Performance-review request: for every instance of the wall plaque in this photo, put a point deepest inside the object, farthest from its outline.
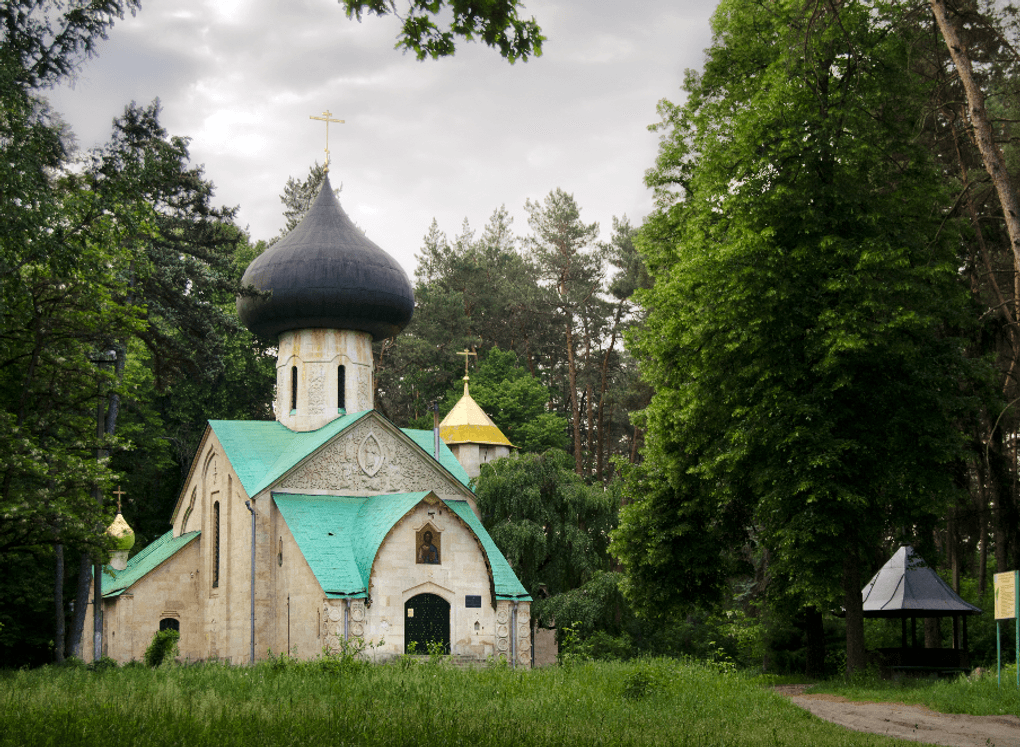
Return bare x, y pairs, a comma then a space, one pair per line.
472, 600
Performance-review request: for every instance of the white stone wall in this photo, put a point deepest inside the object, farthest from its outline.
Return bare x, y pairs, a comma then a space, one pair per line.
317, 354
396, 577
296, 600
472, 456
132, 619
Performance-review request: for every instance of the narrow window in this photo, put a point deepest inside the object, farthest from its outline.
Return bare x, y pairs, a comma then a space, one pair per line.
341, 384
293, 388
216, 545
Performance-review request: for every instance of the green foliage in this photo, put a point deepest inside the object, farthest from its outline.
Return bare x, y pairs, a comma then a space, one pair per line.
473, 293
516, 401
495, 23
804, 329
549, 524
163, 649
103, 664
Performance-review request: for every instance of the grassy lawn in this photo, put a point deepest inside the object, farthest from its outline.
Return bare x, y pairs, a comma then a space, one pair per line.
659, 702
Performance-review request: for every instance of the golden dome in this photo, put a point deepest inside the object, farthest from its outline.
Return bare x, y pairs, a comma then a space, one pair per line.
468, 423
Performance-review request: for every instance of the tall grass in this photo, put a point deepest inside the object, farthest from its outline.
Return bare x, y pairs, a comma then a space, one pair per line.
651, 702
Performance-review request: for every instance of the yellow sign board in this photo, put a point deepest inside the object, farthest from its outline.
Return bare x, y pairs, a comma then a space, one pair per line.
1006, 595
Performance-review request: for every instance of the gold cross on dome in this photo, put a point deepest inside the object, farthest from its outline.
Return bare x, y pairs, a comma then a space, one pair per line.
466, 353
326, 118
119, 493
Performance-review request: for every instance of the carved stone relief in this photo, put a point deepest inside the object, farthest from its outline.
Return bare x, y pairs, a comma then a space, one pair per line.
332, 624
503, 629
371, 454
317, 389
364, 395
368, 460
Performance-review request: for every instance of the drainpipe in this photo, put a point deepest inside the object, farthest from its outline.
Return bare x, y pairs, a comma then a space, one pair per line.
247, 505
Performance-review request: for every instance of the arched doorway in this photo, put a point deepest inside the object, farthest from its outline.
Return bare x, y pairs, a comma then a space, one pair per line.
426, 621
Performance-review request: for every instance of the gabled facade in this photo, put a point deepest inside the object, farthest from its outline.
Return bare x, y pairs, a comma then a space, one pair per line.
341, 518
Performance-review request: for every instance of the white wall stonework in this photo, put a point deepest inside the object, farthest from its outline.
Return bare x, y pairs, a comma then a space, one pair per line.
462, 571
132, 619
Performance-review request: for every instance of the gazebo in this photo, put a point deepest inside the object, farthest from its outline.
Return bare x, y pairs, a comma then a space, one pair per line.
905, 587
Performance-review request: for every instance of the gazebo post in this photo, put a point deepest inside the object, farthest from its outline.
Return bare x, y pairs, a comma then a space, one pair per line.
903, 636
913, 632
956, 631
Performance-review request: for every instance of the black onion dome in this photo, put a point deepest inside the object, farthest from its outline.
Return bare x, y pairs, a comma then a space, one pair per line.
326, 274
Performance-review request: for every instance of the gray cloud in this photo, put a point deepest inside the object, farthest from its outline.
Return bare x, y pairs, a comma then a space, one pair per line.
447, 139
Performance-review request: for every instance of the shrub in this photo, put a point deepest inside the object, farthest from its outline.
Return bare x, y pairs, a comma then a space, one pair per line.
163, 648
103, 664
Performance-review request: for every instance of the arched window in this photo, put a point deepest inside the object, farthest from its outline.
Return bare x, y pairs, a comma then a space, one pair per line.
216, 545
293, 388
170, 623
341, 388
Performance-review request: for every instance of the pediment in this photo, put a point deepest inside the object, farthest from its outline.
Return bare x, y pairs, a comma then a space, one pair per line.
372, 457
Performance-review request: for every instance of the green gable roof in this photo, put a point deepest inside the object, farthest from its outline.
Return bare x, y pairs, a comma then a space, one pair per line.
340, 536
262, 451
155, 554
427, 441
503, 577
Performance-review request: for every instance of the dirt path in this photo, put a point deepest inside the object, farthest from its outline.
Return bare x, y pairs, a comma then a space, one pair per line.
915, 723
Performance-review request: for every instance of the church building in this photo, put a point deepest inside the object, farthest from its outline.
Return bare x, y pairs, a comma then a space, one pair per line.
330, 523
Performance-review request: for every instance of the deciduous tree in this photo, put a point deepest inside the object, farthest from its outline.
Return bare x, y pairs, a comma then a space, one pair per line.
802, 332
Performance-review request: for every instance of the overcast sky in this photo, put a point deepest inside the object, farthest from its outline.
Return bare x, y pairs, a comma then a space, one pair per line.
447, 139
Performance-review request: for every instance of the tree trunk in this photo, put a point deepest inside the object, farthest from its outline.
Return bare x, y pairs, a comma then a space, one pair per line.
932, 632
815, 634
590, 441
574, 406
81, 604
58, 604
853, 603
995, 164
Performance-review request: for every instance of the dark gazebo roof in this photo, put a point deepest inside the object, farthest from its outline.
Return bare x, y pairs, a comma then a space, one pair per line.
327, 274
907, 587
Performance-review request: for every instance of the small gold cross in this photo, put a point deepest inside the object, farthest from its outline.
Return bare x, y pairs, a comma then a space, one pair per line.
466, 353
326, 118
119, 493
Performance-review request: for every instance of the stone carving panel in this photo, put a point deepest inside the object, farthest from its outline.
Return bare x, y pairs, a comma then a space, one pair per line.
332, 625
368, 460
317, 389
503, 629
364, 394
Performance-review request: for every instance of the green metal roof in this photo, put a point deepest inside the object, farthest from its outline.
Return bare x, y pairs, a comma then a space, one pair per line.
116, 583
503, 577
427, 441
340, 536
262, 451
